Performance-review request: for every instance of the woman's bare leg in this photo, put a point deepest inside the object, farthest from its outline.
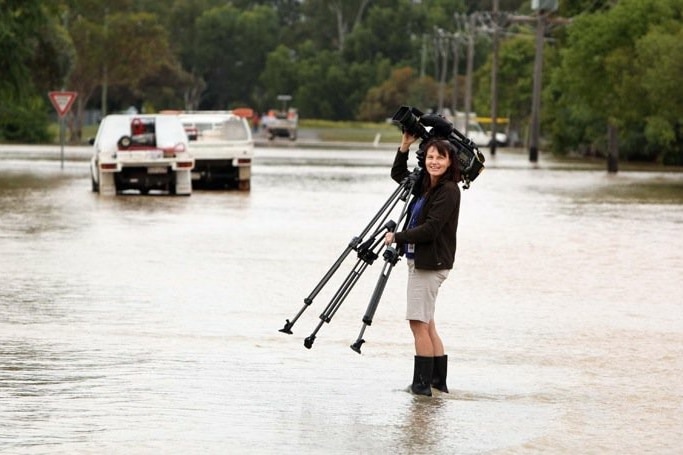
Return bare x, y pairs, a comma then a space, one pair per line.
437, 344
423, 339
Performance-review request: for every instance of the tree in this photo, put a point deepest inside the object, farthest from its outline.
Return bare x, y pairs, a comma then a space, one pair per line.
330, 21
404, 87
373, 38
182, 21
324, 87
130, 49
30, 45
233, 52
280, 76
515, 73
17, 43
597, 76
659, 66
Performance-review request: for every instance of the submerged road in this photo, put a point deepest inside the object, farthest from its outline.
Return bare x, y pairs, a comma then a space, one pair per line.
84, 152
149, 324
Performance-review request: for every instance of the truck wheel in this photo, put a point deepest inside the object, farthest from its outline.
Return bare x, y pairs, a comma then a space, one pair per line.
95, 186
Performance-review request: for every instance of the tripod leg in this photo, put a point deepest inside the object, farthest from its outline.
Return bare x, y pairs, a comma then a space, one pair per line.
309, 300
337, 299
366, 257
359, 341
355, 244
391, 258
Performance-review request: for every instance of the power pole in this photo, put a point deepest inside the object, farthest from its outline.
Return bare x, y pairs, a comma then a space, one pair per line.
442, 40
423, 59
536, 91
612, 148
105, 72
494, 80
541, 19
544, 9
455, 44
459, 37
470, 66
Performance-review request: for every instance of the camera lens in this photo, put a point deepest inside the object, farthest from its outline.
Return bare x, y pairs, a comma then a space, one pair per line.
409, 122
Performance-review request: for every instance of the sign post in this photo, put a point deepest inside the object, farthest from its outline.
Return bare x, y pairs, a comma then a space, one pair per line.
62, 102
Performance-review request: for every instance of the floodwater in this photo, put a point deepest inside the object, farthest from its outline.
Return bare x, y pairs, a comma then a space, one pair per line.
146, 325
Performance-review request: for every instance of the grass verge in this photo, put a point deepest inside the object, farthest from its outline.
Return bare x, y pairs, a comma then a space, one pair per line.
346, 131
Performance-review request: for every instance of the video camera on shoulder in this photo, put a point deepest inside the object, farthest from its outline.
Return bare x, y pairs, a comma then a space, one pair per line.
428, 126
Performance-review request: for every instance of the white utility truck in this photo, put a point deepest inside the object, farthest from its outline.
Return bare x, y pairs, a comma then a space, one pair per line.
222, 146
142, 152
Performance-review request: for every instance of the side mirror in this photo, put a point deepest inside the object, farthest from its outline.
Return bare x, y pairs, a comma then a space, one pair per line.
91, 141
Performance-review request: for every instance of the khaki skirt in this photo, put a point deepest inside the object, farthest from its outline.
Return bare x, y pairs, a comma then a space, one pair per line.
423, 287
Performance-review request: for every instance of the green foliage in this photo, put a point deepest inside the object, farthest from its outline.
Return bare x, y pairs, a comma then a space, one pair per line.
316, 77
118, 49
233, 52
515, 69
660, 68
54, 59
353, 131
403, 87
620, 66
616, 64
25, 36
18, 21
26, 122
279, 75
373, 38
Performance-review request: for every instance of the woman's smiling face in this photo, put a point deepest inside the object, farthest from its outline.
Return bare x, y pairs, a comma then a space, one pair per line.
436, 164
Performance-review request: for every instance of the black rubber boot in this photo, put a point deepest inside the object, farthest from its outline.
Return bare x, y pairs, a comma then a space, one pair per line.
439, 374
422, 376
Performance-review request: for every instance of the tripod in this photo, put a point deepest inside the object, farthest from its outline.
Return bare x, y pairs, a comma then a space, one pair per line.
367, 252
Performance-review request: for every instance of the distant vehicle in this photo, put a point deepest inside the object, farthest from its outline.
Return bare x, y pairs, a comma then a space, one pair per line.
142, 152
283, 122
222, 146
502, 139
483, 138
475, 132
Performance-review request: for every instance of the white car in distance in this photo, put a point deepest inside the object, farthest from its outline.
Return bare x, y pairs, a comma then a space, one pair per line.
470, 127
141, 152
483, 138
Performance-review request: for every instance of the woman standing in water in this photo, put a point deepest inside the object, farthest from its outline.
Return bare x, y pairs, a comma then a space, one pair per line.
429, 243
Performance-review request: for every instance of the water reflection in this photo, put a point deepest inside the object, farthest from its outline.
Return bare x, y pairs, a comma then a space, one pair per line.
41, 385
426, 425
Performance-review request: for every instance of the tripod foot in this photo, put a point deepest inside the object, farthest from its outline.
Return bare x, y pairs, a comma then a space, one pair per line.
356, 346
287, 328
308, 342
